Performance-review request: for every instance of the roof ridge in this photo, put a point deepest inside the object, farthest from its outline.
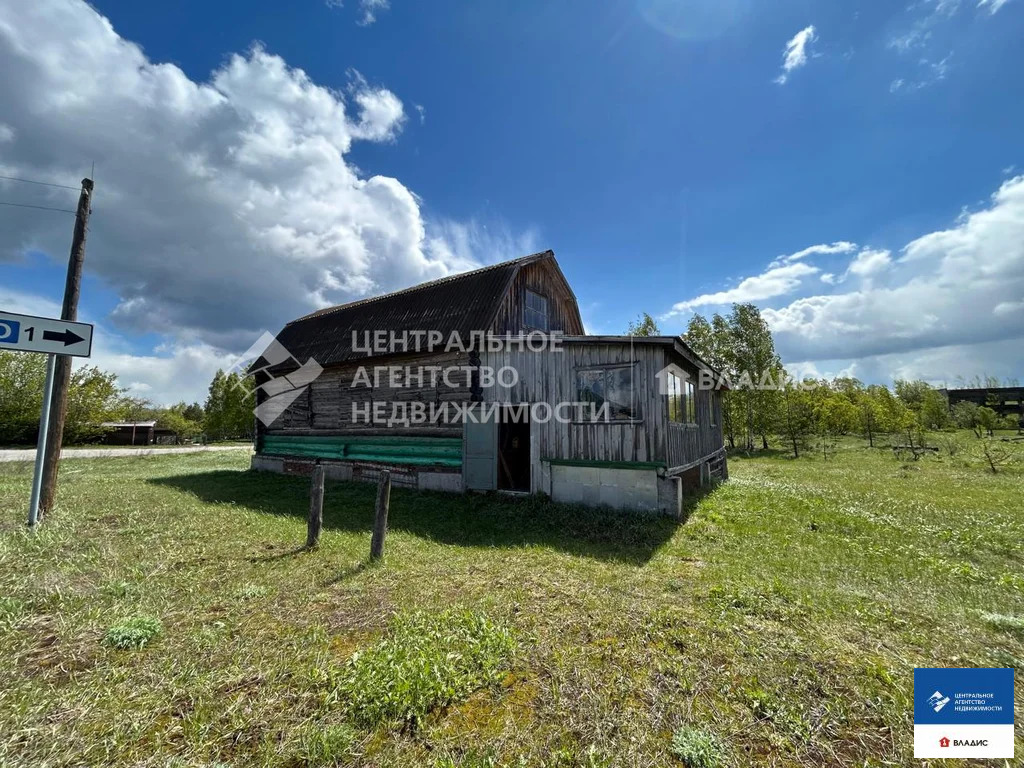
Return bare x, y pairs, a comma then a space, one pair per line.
419, 286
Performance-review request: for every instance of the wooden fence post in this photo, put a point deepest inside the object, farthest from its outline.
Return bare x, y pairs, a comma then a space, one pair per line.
316, 507
380, 522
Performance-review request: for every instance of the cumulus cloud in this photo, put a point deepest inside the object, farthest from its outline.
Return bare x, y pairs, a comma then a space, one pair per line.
869, 262
795, 53
943, 290
775, 281
957, 290
221, 207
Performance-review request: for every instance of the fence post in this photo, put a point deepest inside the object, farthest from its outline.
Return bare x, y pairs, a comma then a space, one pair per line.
380, 522
316, 507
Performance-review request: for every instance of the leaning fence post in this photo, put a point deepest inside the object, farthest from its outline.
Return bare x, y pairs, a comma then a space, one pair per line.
316, 507
380, 522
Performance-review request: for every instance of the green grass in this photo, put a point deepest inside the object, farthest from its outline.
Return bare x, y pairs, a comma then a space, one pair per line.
779, 625
133, 632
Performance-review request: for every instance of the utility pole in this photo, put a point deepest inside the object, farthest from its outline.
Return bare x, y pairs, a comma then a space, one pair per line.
62, 371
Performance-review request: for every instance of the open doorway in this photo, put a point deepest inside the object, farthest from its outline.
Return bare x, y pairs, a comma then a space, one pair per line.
514, 451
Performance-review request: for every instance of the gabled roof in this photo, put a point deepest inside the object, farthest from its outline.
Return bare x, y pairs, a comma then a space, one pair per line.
459, 303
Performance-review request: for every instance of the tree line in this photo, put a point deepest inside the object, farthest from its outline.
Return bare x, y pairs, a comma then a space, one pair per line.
96, 397
766, 403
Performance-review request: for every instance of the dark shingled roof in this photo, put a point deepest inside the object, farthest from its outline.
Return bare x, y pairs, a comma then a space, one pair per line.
458, 303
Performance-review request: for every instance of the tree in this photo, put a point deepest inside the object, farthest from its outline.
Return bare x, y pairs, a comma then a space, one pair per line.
966, 416
644, 325
194, 413
229, 407
934, 410
755, 361
834, 415
796, 414
713, 343
988, 420
93, 397
177, 421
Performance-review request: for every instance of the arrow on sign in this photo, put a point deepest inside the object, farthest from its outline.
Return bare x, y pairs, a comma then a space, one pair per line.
68, 336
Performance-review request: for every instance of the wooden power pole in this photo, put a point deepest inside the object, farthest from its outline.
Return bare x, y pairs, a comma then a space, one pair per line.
62, 371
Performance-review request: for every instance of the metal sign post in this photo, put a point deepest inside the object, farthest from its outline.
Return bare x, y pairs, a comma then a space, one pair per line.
28, 333
44, 423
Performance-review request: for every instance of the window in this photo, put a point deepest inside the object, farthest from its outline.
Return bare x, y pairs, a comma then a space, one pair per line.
716, 409
613, 386
682, 400
535, 312
675, 398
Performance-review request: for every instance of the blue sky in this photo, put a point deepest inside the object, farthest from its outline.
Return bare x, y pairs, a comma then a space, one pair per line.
649, 143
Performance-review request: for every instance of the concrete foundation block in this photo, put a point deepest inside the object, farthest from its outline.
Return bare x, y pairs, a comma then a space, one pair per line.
340, 472
267, 463
449, 482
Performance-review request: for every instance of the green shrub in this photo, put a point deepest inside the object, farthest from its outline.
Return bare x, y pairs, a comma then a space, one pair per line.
426, 661
697, 748
133, 633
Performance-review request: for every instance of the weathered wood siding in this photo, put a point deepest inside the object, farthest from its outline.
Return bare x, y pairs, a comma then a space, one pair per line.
550, 377
326, 407
544, 278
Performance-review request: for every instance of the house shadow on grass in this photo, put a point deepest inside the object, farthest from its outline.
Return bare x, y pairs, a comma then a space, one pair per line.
471, 520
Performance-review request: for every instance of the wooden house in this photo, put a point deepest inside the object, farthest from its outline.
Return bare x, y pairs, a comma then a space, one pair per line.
600, 420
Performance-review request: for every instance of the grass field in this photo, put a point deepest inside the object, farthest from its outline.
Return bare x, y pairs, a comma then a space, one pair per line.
165, 616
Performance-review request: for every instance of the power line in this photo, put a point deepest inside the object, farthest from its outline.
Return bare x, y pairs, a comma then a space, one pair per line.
41, 183
40, 207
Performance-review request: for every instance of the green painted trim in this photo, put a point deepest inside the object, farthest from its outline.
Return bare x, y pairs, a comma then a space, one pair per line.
605, 464
418, 451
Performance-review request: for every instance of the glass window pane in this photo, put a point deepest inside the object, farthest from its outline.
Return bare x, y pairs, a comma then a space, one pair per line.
535, 311
620, 394
590, 387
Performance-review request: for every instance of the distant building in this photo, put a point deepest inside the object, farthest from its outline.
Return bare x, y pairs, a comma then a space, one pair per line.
662, 432
135, 433
1005, 401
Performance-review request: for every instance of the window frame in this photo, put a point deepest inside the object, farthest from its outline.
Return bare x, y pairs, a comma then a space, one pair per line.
527, 309
689, 404
674, 398
636, 416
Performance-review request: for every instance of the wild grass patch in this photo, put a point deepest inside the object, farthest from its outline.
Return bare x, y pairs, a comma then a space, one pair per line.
697, 748
133, 632
329, 744
1001, 621
426, 661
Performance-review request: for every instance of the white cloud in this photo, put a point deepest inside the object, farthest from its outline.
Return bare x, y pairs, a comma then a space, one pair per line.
992, 5
869, 262
369, 10
948, 295
840, 246
940, 292
795, 54
1008, 307
775, 281
221, 207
